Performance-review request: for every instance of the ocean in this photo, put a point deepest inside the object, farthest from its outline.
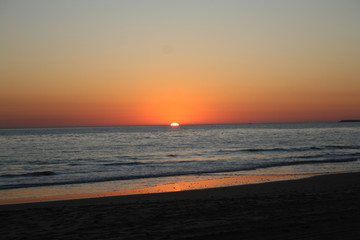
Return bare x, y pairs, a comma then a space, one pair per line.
99, 159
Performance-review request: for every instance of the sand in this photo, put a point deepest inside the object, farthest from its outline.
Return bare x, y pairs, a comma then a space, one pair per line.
320, 207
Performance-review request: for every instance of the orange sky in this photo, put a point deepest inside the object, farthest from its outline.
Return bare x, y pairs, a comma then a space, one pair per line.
144, 62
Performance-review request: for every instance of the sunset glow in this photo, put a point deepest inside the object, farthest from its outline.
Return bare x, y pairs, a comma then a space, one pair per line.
199, 62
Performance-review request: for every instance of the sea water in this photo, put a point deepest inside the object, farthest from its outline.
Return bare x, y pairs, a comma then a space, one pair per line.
86, 159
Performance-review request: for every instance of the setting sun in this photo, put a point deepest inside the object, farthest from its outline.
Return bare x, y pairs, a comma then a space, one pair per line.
174, 124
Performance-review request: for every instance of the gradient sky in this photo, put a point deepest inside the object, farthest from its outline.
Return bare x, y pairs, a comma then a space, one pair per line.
83, 62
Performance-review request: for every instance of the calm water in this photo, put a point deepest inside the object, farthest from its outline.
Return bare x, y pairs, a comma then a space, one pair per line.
68, 156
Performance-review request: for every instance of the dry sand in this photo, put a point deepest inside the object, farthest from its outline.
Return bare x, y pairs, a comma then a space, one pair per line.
321, 207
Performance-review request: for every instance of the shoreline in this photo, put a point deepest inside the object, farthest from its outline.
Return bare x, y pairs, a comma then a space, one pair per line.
243, 185
167, 188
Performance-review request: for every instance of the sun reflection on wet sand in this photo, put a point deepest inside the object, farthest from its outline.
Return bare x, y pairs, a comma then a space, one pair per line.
173, 187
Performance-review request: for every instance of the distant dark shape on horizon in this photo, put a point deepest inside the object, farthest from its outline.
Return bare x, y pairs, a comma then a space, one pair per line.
354, 120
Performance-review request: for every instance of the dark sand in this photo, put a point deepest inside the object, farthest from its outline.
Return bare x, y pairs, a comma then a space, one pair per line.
321, 207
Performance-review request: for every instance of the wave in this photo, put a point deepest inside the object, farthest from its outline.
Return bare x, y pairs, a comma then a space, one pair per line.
296, 149
342, 147
32, 174
219, 158
326, 155
124, 163
312, 162
153, 163
127, 157
171, 174
74, 164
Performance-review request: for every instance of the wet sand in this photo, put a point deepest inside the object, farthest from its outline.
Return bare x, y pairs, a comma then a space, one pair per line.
320, 207
51, 194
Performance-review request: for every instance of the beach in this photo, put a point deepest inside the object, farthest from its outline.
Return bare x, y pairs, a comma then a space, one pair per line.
169, 120
319, 207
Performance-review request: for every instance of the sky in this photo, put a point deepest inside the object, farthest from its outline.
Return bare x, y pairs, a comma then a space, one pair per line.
142, 62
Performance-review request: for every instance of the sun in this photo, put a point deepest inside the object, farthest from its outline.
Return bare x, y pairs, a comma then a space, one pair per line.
174, 124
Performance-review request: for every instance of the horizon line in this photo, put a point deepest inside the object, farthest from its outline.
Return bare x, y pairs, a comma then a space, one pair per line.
154, 125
